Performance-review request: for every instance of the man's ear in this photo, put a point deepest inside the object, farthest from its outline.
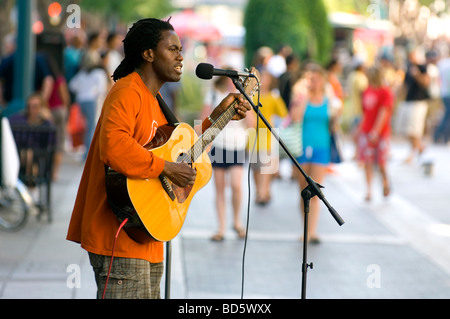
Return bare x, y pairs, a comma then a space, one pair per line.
147, 55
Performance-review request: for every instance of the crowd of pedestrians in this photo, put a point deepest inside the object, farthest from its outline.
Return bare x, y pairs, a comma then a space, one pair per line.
367, 101
372, 102
73, 88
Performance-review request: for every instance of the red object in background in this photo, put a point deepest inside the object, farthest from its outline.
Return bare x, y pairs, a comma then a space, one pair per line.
76, 125
379, 38
54, 9
188, 24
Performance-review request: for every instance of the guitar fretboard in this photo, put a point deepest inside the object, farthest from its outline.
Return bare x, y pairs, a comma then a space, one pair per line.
207, 137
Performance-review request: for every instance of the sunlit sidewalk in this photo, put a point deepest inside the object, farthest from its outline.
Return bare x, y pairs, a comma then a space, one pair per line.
394, 248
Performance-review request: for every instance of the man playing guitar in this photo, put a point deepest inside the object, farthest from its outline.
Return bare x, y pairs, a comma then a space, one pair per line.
129, 119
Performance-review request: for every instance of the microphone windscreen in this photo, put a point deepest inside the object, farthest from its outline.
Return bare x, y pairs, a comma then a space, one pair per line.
204, 71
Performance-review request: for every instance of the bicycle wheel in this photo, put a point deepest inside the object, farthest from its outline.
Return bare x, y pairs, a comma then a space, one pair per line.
14, 208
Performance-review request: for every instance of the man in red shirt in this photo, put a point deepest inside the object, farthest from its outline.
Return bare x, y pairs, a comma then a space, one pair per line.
129, 119
375, 129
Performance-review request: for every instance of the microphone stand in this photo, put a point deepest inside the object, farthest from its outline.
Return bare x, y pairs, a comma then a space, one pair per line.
168, 269
313, 188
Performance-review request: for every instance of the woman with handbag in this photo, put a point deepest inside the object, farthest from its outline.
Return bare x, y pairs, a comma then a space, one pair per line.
311, 105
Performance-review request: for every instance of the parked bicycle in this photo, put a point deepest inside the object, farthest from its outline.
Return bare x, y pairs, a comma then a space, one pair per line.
15, 200
15, 205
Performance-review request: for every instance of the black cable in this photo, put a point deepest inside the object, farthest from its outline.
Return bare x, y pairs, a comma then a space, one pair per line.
249, 192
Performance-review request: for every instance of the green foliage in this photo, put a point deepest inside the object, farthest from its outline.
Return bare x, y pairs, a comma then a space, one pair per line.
353, 6
190, 98
303, 24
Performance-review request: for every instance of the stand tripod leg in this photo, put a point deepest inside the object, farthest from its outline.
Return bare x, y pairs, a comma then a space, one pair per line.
313, 188
306, 196
168, 268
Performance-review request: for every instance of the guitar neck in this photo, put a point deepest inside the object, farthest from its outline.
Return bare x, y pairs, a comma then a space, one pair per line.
210, 134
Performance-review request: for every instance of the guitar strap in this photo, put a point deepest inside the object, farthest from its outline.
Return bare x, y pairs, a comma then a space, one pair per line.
170, 117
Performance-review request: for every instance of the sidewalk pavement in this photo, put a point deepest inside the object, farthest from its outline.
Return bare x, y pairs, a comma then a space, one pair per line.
387, 249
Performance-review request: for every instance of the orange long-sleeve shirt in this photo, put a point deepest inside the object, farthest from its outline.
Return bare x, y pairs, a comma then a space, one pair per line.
129, 119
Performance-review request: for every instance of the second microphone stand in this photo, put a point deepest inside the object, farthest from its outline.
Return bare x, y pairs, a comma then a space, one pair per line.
313, 188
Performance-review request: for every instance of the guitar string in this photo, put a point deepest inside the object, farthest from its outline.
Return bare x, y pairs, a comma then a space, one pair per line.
206, 138
219, 124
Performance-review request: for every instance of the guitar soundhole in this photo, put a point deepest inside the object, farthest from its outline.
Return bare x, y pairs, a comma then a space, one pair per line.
184, 158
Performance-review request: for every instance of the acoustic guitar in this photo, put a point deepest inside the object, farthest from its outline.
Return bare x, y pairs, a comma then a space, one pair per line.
157, 208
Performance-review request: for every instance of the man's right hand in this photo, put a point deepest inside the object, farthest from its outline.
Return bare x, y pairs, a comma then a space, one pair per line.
181, 174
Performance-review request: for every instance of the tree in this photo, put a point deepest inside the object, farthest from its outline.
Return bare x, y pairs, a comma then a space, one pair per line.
303, 24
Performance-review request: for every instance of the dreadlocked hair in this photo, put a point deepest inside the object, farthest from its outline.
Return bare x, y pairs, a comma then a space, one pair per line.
143, 35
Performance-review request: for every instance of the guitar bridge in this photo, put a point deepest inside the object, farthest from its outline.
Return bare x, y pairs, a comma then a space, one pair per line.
167, 187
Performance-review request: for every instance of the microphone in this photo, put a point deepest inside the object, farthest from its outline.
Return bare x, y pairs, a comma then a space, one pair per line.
206, 71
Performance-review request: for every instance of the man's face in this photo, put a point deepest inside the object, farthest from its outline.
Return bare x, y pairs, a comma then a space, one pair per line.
167, 63
34, 107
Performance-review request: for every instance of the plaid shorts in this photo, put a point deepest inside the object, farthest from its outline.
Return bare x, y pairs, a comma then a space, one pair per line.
373, 153
129, 278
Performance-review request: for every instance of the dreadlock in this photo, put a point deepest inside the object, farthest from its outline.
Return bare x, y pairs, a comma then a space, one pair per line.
144, 34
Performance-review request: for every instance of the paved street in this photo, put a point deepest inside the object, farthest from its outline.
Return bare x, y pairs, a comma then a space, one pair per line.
395, 248
403, 240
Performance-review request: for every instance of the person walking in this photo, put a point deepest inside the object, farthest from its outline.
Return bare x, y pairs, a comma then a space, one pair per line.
312, 106
288, 78
357, 83
442, 132
59, 104
227, 158
413, 110
265, 160
90, 87
375, 130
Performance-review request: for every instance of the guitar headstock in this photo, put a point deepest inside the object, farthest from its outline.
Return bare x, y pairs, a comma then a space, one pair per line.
251, 84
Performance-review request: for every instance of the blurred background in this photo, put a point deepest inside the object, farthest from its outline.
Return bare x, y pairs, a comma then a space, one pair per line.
42, 47
226, 32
